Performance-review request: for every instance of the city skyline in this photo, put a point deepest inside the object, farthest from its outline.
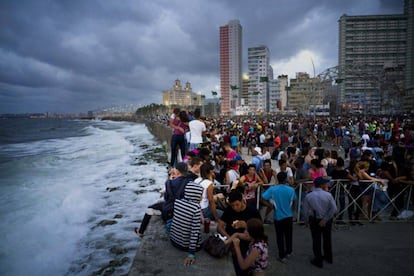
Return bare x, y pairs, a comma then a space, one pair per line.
66, 57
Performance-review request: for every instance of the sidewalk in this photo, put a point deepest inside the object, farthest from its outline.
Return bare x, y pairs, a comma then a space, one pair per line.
372, 249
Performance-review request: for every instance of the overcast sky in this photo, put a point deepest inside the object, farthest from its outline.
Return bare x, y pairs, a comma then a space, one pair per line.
77, 55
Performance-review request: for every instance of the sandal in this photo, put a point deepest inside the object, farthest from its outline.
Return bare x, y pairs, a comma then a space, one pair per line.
136, 229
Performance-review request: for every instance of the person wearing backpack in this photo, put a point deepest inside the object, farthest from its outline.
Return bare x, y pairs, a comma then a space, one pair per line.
174, 189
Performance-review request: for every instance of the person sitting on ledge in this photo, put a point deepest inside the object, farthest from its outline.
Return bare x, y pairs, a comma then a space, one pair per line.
174, 189
185, 231
208, 200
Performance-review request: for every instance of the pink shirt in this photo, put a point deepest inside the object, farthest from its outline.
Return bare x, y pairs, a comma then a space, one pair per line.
230, 155
318, 173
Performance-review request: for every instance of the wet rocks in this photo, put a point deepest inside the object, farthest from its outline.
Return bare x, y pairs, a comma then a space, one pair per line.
106, 222
118, 250
109, 268
111, 189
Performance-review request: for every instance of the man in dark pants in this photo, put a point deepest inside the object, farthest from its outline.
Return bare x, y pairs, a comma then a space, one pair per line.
320, 207
283, 197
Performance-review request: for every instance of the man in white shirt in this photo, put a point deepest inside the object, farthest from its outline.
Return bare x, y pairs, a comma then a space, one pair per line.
365, 138
197, 128
283, 167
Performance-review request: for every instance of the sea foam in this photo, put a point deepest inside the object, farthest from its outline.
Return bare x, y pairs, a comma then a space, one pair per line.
55, 193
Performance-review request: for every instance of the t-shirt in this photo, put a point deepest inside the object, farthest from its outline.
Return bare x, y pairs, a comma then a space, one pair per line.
288, 172
229, 216
258, 162
196, 129
339, 174
205, 183
233, 140
231, 154
261, 263
283, 197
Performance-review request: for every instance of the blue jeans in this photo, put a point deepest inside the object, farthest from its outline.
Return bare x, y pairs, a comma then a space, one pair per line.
380, 201
194, 146
177, 142
208, 214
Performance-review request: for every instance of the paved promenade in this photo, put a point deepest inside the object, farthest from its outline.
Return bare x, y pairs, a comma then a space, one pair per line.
382, 248
372, 249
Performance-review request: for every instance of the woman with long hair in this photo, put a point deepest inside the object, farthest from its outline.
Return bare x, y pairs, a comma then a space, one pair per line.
208, 199
256, 259
179, 125
361, 170
355, 201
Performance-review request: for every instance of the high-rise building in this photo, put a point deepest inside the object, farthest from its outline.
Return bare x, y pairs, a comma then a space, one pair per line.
408, 99
230, 66
372, 61
259, 71
278, 94
274, 95
177, 96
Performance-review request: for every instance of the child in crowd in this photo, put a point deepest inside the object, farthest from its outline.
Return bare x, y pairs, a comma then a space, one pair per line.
256, 259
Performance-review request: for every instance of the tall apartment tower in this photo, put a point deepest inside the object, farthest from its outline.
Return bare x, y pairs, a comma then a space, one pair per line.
409, 73
372, 61
259, 72
230, 66
278, 94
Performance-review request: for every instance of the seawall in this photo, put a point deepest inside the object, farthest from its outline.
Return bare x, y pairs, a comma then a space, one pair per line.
155, 254
160, 131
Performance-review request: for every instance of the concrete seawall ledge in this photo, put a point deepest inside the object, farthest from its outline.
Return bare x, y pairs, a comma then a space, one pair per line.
157, 256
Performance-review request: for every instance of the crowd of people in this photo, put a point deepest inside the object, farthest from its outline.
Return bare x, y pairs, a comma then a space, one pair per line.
209, 179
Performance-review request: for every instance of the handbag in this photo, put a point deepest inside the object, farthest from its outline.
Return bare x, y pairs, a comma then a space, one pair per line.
216, 247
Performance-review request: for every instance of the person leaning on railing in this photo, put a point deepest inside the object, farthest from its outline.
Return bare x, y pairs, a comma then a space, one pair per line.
361, 171
408, 177
354, 198
341, 173
250, 182
388, 170
267, 174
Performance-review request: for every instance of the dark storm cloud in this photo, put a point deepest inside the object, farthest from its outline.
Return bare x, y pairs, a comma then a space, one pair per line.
71, 56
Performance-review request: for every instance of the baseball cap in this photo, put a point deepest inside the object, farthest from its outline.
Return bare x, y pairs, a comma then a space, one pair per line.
238, 157
320, 181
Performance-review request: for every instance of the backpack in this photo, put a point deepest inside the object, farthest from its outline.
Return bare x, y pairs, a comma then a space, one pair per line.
168, 205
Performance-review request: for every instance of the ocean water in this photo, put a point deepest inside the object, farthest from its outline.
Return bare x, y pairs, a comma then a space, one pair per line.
71, 193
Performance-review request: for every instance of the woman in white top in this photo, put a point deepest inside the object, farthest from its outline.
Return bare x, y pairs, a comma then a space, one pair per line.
208, 199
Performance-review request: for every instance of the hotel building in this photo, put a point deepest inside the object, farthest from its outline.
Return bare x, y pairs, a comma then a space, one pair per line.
230, 66
177, 96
